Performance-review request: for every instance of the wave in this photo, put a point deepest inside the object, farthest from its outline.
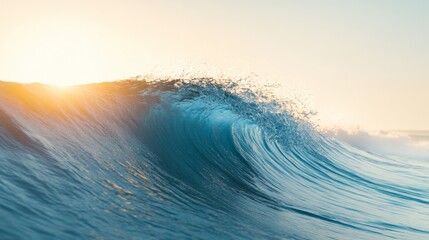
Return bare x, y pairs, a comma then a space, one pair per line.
413, 145
184, 159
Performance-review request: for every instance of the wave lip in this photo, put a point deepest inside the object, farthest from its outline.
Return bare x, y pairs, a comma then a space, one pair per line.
200, 158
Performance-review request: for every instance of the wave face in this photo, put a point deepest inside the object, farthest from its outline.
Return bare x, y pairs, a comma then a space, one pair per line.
191, 160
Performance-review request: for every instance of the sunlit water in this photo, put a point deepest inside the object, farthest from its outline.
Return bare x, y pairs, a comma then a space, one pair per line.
180, 160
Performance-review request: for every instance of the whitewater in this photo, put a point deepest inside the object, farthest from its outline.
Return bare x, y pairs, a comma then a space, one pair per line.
193, 159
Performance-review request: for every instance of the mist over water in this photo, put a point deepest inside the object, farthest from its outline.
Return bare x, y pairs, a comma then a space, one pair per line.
199, 159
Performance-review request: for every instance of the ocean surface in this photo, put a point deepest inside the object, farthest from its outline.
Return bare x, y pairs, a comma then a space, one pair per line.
201, 159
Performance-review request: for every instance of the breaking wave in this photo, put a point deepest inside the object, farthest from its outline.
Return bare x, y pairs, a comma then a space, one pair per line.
197, 159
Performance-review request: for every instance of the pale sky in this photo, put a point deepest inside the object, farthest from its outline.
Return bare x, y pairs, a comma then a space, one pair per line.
364, 63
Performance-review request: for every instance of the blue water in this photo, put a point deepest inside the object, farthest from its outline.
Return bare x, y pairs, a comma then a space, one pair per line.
192, 160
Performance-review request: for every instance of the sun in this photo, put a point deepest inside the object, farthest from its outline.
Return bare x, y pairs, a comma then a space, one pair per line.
57, 55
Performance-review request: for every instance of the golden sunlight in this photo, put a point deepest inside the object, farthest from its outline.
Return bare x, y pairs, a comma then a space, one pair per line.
57, 55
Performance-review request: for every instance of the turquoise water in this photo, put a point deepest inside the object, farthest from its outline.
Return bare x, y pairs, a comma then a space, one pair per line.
192, 160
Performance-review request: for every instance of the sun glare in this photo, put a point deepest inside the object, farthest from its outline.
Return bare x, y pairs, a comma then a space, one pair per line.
58, 56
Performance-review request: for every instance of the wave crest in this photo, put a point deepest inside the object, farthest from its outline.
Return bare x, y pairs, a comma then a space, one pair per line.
183, 158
